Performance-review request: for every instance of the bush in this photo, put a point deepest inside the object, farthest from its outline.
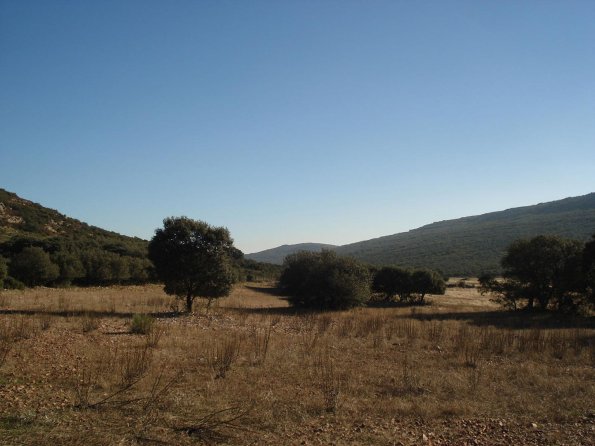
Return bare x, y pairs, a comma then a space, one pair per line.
141, 323
10, 283
324, 281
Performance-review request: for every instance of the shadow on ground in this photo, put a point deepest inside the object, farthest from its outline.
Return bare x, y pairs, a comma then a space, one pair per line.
81, 313
509, 319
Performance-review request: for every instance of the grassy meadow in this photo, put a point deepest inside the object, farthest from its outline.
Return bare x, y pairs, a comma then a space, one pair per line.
76, 369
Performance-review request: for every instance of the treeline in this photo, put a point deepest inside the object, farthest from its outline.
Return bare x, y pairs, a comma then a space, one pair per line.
73, 261
327, 281
86, 261
545, 273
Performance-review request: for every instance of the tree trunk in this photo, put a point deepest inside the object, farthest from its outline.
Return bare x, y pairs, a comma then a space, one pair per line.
189, 301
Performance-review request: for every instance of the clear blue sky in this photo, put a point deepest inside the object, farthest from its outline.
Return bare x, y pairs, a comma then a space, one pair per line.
295, 121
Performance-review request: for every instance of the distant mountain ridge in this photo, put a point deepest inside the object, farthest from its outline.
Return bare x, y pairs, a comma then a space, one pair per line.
474, 245
276, 255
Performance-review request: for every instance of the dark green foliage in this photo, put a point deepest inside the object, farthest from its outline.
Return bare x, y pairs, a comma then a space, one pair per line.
393, 281
70, 265
410, 286
277, 255
193, 259
3, 271
543, 272
10, 283
474, 245
253, 271
588, 269
33, 267
324, 281
85, 255
427, 282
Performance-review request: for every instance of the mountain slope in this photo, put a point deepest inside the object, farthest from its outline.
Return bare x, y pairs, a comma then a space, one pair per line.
276, 255
473, 245
23, 219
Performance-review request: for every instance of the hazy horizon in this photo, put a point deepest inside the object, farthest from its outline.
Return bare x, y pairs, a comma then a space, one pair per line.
295, 122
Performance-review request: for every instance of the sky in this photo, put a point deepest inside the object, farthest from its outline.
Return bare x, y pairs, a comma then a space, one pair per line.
295, 121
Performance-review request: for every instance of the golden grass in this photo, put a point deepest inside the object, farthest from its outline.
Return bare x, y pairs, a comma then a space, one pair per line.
253, 371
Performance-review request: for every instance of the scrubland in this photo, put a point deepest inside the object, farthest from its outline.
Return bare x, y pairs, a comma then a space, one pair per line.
75, 369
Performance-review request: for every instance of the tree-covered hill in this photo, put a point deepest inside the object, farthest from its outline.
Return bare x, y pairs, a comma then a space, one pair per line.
44, 247
84, 254
475, 245
276, 255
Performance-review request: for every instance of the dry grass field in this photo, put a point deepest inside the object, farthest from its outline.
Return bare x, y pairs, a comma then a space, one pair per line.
75, 370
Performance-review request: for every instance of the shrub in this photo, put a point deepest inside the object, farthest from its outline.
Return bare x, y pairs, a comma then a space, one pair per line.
33, 267
10, 283
141, 323
324, 281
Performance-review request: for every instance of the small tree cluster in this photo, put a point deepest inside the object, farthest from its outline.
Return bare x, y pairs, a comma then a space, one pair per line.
323, 280
409, 286
545, 272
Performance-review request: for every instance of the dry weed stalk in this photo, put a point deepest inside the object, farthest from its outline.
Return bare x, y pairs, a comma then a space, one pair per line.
6, 340
210, 427
153, 337
128, 368
89, 322
410, 379
260, 338
330, 382
221, 356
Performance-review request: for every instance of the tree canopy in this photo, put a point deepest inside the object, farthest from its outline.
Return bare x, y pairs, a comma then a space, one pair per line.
193, 259
324, 280
544, 271
410, 286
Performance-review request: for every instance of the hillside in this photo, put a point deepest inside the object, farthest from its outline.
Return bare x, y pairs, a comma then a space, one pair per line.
276, 255
84, 254
23, 219
473, 245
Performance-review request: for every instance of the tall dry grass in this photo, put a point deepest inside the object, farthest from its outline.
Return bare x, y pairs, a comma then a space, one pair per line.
276, 369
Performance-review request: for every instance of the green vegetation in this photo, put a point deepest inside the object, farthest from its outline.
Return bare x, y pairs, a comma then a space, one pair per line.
141, 324
545, 272
468, 246
3, 271
86, 255
193, 259
324, 281
82, 254
33, 267
410, 286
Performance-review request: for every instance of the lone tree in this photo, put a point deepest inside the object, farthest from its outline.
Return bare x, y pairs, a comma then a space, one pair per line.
427, 282
193, 259
544, 270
